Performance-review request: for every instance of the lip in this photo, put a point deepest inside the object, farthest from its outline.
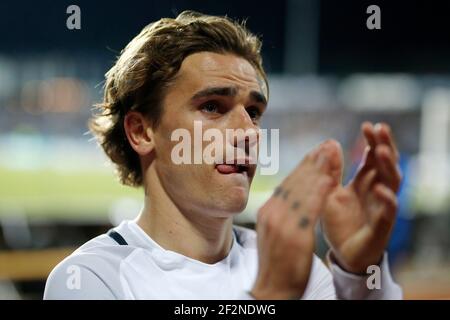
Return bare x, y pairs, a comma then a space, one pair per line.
231, 168
246, 170
240, 161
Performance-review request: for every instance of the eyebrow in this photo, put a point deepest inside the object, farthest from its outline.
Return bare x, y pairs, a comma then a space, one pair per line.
216, 91
228, 92
258, 97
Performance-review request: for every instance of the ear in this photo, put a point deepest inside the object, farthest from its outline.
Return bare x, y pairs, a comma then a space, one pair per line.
139, 133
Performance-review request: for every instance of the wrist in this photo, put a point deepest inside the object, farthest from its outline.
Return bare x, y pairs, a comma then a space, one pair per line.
356, 268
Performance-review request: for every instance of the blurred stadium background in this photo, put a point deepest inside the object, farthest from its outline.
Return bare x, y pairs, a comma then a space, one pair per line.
328, 73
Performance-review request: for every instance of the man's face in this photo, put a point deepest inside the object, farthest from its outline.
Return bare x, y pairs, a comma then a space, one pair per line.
222, 91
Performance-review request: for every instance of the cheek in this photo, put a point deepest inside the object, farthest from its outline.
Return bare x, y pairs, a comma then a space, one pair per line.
163, 139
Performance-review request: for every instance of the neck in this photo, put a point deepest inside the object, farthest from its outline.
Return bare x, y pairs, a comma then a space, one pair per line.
193, 234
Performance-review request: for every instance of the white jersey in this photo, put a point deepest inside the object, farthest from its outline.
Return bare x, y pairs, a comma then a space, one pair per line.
128, 264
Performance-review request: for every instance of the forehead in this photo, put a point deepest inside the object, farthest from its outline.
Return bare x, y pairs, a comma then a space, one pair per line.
204, 69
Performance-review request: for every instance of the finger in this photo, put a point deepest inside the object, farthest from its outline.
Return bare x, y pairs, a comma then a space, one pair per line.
385, 194
282, 216
368, 131
308, 171
365, 182
322, 162
389, 170
315, 201
312, 161
296, 194
327, 147
303, 220
335, 156
304, 209
384, 209
384, 135
385, 161
301, 180
312, 155
367, 163
368, 160
282, 194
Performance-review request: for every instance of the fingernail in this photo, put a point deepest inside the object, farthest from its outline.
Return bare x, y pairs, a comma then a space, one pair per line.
378, 127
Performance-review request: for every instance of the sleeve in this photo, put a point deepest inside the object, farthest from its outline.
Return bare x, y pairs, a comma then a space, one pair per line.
320, 285
244, 295
76, 282
361, 287
325, 284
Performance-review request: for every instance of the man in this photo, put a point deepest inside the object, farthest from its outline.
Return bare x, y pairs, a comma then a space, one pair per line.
183, 245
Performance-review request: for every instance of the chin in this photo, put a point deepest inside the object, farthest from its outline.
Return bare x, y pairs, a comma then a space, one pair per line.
235, 202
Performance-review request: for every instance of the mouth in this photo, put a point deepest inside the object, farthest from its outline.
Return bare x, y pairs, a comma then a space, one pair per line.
233, 168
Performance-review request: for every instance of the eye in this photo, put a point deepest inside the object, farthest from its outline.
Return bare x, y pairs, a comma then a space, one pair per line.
254, 113
210, 107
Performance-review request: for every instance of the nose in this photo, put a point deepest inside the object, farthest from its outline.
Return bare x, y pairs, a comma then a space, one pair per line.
246, 132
